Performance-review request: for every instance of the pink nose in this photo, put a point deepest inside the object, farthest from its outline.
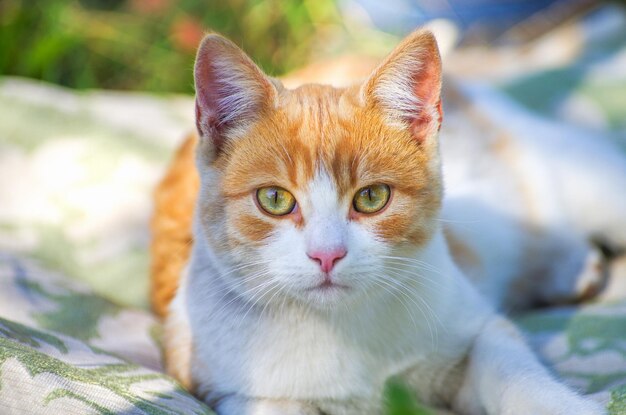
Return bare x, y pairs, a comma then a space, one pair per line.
328, 259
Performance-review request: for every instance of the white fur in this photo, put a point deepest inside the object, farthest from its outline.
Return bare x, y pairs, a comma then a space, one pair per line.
266, 341
583, 172
284, 350
530, 213
338, 359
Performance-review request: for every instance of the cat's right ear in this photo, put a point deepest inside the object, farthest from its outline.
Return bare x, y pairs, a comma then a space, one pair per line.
407, 86
231, 91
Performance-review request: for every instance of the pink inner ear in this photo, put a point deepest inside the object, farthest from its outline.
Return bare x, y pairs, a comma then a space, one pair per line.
427, 89
208, 92
427, 83
421, 126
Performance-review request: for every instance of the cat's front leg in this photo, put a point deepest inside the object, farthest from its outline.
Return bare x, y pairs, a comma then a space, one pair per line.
504, 377
242, 405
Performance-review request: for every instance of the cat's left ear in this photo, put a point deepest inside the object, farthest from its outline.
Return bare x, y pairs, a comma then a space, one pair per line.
407, 86
231, 91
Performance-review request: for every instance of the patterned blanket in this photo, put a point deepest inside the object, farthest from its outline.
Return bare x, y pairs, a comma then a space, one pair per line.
76, 173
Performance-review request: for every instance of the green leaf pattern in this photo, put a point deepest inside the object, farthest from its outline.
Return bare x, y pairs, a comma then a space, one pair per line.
44, 371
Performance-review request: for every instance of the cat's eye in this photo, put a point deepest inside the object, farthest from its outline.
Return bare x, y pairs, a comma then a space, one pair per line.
371, 199
275, 200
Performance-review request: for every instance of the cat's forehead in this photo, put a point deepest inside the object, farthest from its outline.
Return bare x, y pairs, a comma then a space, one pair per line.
320, 128
315, 99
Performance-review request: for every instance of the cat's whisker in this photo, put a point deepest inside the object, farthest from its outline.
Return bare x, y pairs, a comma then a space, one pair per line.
412, 271
229, 287
243, 275
232, 269
246, 278
260, 294
283, 304
407, 291
400, 273
238, 296
405, 258
417, 277
246, 265
252, 295
412, 267
459, 221
380, 283
419, 297
409, 263
279, 289
376, 260
416, 261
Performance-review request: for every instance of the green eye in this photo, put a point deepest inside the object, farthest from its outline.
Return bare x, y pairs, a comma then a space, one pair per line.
371, 199
275, 200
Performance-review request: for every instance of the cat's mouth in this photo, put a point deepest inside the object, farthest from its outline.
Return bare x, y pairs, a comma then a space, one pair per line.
328, 285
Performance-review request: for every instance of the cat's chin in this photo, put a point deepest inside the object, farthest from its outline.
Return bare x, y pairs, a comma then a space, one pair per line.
326, 295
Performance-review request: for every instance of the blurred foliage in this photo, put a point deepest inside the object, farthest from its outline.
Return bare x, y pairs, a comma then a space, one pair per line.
401, 401
150, 44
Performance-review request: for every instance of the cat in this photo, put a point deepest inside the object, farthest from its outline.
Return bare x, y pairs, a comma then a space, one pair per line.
325, 259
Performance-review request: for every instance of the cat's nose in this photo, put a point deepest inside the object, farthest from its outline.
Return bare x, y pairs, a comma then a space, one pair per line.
328, 259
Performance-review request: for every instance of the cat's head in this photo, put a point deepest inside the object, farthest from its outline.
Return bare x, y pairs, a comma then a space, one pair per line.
318, 193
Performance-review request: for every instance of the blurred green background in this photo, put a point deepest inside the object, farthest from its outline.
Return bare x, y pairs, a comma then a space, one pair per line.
149, 45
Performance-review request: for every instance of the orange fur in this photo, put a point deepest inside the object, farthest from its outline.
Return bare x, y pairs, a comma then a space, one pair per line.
347, 132
174, 201
311, 130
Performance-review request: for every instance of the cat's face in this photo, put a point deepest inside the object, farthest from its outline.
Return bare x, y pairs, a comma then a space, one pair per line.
316, 194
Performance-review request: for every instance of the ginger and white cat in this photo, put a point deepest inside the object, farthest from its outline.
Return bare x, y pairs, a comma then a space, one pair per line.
321, 260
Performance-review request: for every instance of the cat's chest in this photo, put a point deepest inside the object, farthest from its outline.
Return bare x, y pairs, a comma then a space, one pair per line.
305, 359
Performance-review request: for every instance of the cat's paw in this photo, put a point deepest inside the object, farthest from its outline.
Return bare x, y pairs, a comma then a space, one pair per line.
579, 277
616, 286
237, 405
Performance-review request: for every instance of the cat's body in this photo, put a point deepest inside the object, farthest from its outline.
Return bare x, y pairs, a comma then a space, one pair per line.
255, 328
526, 198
